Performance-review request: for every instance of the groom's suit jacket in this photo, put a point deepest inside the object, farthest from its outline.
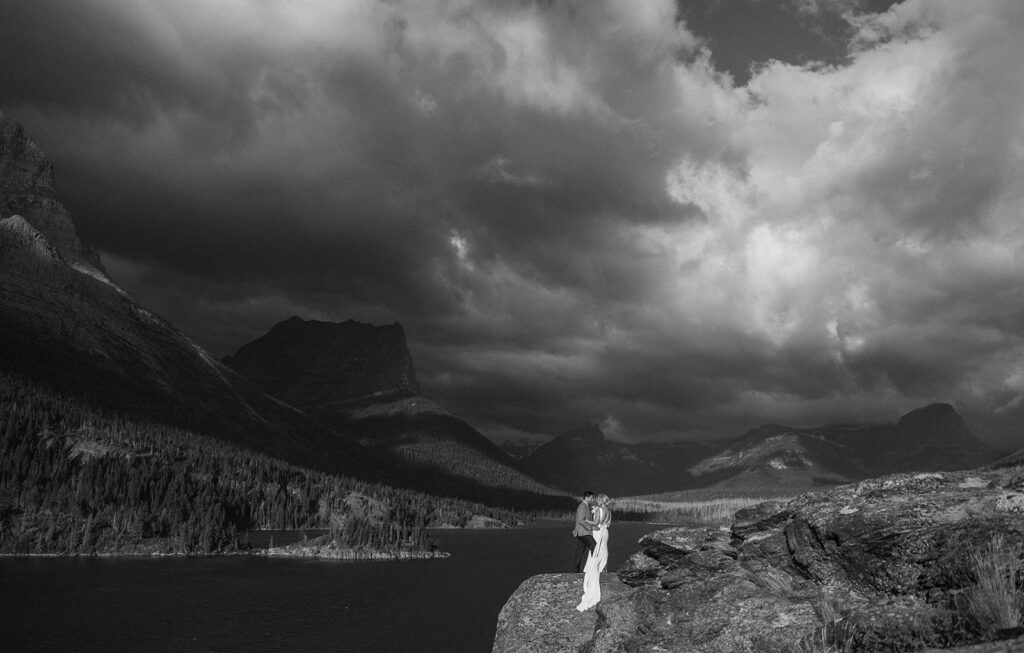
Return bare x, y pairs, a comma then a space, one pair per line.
582, 515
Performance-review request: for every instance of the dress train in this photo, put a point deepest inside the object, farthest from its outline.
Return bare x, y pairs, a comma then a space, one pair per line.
596, 563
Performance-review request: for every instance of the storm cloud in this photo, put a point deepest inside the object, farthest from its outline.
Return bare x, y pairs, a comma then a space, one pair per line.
580, 211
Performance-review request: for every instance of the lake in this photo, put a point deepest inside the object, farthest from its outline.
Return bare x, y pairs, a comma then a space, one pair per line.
252, 604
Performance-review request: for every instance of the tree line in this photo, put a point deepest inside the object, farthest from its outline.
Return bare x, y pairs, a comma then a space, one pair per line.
77, 479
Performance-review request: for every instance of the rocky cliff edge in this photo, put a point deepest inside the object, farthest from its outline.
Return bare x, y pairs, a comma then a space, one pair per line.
880, 565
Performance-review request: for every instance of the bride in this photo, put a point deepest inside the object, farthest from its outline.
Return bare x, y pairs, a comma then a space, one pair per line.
598, 559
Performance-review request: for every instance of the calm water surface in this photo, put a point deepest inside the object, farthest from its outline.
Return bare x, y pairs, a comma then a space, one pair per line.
251, 604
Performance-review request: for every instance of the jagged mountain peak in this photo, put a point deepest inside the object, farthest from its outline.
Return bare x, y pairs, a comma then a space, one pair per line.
23, 166
27, 188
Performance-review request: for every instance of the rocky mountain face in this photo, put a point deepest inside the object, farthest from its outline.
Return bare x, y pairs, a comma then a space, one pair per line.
886, 564
358, 379
776, 457
327, 367
28, 189
65, 324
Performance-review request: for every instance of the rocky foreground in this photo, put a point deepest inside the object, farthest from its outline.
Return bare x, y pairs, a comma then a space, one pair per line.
880, 565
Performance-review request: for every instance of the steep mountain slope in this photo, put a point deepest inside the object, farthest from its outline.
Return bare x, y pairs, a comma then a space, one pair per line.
358, 379
64, 323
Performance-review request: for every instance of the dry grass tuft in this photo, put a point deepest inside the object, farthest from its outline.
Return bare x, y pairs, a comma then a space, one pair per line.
834, 635
714, 511
995, 601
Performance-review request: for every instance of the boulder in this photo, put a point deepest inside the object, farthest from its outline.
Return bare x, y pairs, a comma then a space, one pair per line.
541, 614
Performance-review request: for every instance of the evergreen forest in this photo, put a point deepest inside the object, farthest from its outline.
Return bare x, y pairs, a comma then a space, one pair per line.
77, 479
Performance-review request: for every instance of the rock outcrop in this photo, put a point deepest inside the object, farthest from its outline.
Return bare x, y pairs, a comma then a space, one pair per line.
541, 615
879, 565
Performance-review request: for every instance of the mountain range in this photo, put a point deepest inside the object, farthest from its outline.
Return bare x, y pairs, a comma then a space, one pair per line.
780, 458
343, 397
340, 398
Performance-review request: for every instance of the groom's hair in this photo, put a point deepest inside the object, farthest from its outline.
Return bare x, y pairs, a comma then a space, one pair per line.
587, 493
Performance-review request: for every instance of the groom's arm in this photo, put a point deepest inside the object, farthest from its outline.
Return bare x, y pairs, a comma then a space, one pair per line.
581, 518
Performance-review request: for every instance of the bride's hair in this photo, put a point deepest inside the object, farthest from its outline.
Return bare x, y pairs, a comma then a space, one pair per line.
603, 499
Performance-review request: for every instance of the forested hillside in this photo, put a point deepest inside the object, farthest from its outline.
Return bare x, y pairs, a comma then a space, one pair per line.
75, 480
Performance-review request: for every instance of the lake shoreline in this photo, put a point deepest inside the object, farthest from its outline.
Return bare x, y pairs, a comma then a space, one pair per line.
297, 549
366, 555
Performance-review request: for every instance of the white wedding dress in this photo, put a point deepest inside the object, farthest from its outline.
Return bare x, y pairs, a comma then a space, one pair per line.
596, 563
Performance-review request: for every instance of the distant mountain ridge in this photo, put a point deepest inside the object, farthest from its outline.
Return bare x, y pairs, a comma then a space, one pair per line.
783, 458
358, 379
581, 458
930, 438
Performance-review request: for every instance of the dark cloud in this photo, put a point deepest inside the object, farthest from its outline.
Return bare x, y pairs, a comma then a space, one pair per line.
791, 211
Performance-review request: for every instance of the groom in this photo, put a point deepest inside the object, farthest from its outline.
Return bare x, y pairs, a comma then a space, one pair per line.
585, 542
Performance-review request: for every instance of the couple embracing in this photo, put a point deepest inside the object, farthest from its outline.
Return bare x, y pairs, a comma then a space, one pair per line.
591, 530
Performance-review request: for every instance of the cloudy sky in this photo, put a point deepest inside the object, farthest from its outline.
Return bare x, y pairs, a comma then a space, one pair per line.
679, 220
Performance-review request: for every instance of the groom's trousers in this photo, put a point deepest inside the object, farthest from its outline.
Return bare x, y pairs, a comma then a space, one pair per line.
584, 547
